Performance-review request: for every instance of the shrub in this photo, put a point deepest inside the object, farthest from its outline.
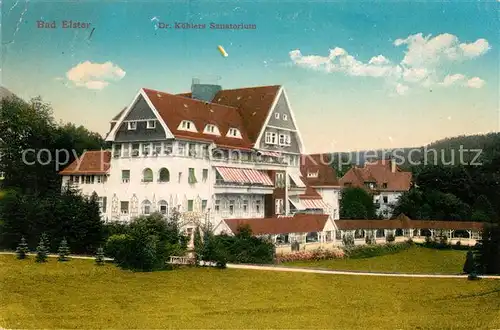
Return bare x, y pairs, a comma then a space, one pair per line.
22, 249
295, 246
458, 244
348, 240
370, 239
315, 255
390, 238
469, 265
428, 240
368, 251
99, 258
41, 252
63, 250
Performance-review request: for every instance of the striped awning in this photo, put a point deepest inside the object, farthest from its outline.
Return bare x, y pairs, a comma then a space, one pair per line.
297, 180
244, 176
297, 204
257, 177
314, 204
270, 153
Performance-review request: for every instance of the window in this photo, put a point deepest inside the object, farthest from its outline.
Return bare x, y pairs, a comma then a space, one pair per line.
278, 206
192, 150
157, 149
180, 176
279, 180
384, 185
147, 175
167, 148
271, 137
124, 207
163, 207
217, 205
312, 174
233, 132
277, 115
102, 201
190, 205
164, 175
211, 129
87, 179
192, 177
231, 206
257, 206
125, 176
205, 175
146, 149
385, 199
117, 148
288, 140
146, 207
204, 205
187, 126
181, 147
245, 205
285, 116
151, 124
135, 149
132, 125
126, 150
99, 179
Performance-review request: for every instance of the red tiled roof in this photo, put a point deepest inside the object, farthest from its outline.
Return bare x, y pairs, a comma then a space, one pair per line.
174, 109
300, 223
91, 162
320, 163
403, 222
378, 172
253, 104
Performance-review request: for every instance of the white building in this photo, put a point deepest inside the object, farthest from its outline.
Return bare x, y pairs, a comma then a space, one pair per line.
212, 154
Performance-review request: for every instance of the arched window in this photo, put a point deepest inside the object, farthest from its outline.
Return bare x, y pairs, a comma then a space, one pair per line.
146, 207
147, 175
164, 175
163, 207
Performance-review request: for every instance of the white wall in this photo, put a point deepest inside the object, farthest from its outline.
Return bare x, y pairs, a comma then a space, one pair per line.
331, 197
385, 208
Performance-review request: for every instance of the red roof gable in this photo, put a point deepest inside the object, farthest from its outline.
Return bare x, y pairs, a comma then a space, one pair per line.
318, 163
300, 223
91, 162
379, 172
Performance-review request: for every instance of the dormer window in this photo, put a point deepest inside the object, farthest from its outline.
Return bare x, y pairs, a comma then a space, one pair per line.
211, 129
151, 124
312, 174
132, 125
234, 132
187, 125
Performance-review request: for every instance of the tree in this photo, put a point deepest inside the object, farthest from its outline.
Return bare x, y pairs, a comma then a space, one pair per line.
41, 251
469, 265
22, 250
198, 245
487, 251
63, 251
99, 258
356, 203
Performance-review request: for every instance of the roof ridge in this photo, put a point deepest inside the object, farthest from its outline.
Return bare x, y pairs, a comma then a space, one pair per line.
191, 99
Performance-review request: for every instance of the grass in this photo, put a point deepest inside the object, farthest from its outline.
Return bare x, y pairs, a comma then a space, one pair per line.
416, 260
78, 294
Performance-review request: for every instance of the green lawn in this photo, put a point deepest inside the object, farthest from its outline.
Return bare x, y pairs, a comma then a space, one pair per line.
78, 294
417, 260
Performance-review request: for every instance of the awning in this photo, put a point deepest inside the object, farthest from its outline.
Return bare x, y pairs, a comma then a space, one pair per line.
231, 174
314, 204
258, 177
297, 180
270, 153
297, 204
244, 176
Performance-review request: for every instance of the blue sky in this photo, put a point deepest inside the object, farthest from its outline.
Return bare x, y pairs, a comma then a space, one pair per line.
368, 93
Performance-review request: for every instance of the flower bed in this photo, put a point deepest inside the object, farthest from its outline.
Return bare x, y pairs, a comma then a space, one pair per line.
318, 254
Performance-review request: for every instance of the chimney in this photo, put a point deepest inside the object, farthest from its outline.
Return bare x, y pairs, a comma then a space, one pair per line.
204, 90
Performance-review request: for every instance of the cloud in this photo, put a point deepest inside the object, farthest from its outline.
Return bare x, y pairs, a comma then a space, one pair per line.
475, 82
94, 75
421, 65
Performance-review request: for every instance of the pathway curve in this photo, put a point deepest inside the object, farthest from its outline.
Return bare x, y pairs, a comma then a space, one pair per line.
308, 270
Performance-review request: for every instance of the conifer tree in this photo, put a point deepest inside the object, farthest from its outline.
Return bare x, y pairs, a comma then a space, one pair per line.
41, 252
22, 249
63, 250
99, 258
198, 245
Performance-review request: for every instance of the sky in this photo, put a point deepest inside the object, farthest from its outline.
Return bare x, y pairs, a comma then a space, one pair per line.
359, 75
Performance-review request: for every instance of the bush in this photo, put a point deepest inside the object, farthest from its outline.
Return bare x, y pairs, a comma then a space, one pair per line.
390, 238
99, 258
368, 251
370, 239
469, 265
348, 240
315, 255
22, 249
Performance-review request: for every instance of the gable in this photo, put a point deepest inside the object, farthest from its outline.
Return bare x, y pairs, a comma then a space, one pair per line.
140, 111
281, 109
